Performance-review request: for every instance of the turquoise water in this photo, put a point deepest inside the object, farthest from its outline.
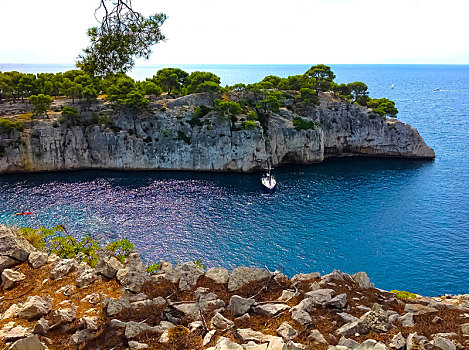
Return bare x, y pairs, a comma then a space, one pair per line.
404, 222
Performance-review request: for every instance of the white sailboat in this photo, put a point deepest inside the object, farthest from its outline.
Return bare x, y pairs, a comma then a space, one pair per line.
268, 181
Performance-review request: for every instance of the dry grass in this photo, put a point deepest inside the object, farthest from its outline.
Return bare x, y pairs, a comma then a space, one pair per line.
325, 320
37, 282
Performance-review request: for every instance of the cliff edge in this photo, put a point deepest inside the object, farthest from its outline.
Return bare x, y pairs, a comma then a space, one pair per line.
171, 136
49, 302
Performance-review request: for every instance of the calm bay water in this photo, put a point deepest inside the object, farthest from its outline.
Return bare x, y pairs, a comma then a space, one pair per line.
404, 222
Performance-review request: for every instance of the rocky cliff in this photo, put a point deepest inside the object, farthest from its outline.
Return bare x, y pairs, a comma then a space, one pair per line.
168, 137
48, 302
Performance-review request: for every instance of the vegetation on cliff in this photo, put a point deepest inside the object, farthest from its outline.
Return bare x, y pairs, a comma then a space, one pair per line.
258, 99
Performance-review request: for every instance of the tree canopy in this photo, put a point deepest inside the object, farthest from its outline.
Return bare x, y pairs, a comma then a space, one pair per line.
123, 34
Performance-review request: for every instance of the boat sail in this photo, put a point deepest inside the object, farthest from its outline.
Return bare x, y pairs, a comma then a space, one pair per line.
269, 184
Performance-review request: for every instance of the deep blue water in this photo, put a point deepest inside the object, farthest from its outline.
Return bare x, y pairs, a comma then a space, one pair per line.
404, 222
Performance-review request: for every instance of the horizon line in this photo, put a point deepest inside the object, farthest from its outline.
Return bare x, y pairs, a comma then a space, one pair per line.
253, 64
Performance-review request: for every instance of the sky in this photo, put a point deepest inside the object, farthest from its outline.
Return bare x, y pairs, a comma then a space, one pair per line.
253, 31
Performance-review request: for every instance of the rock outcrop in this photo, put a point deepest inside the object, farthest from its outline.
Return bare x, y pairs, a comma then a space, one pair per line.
167, 138
188, 307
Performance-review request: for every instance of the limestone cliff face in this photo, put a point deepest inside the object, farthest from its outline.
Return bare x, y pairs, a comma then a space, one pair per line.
171, 140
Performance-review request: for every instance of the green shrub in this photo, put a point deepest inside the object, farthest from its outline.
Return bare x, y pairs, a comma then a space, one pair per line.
67, 247
37, 237
201, 111
70, 115
121, 249
301, 124
8, 125
199, 263
308, 97
40, 103
153, 268
252, 115
403, 294
249, 125
184, 137
228, 109
383, 106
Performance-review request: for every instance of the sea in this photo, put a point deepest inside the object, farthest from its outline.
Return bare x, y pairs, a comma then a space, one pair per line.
404, 222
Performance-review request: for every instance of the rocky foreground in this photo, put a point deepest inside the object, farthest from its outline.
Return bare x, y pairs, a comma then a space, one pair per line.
48, 302
168, 137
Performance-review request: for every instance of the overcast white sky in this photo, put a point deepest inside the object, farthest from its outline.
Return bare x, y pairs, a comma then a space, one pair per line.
253, 31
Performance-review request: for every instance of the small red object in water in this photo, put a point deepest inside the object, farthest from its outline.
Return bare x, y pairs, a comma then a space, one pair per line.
25, 213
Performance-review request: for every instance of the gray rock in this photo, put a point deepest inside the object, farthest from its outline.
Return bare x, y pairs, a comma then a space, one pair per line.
305, 277
336, 275
270, 310
407, 320
190, 310
108, 266
116, 306
115, 323
164, 337
189, 274
35, 307
136, 345
79, 337
13, 249
349, 329
239, 306
314, 286
286, 295
10, 278
41, 327
376, 320
316, 337
243, 319
226, 344
247, 334
241, 276
220, 322
133, 275
29, 343
208, 337
306, 304
415, 341
286, 331
37, 259
12, 312
91, 323
64, 316
338, 302
371, 344
362, 279
86, 278
347, 317
207, 301
157, 302
320, 296
398, 342
10, 333
349, 343
218, 275
419, 309
441, 343
465, 329
63, 268
301, 316
133, 329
